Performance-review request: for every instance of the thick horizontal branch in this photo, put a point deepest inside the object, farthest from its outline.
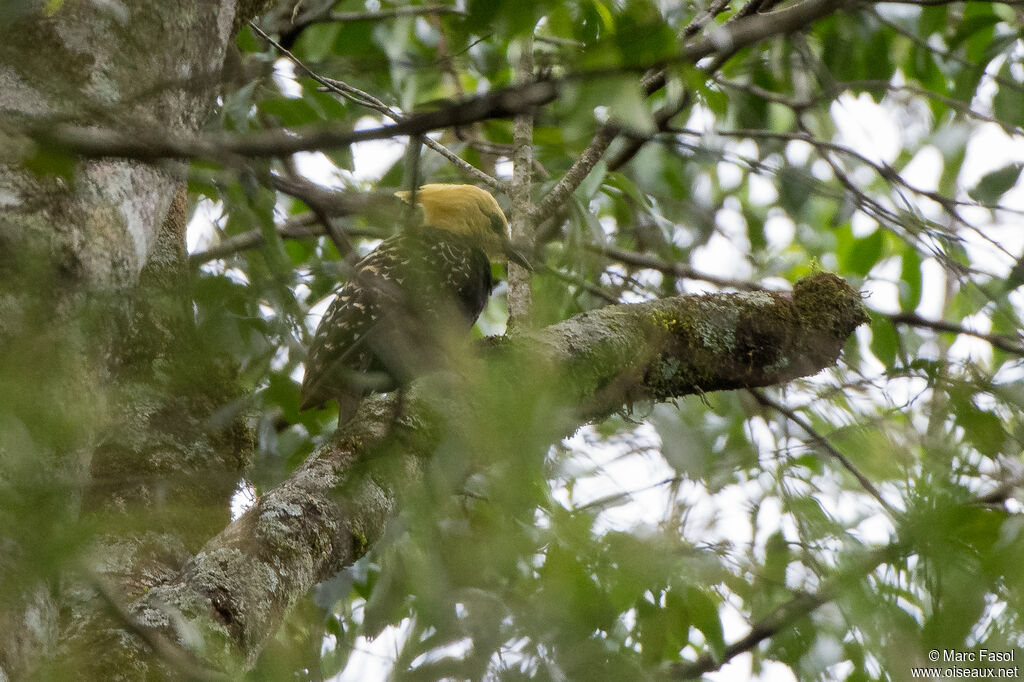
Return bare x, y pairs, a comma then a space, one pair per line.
336, 505
150, 145
686, 345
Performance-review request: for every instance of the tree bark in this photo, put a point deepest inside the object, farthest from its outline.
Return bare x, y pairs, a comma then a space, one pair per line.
92, 260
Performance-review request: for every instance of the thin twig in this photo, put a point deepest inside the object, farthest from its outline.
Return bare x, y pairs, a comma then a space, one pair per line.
804, 604
823, 443
1000, 341
379, 15
303, 227
293, 27
367, 100
572, 178
788, 613
723, 41
336, 235
884, 171
589, 287
394, 13
673, 268
704, 18
946, 54
614, 498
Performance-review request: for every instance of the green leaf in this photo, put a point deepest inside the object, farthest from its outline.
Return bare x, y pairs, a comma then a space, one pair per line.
776, 559
813, 518
995, 184
885, 341
910, 279
755, 228
592, 183
922, 66
651, 622
627, 106
627, 187
703, 611
794, 185
315, 41
642, 36
1008, 102
290, 111
843, 53
879, 65
237, 107
971, 26
983, 430
933, 19
864, 253
385, 605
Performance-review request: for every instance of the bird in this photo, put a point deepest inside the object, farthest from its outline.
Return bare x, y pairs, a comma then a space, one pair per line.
388, 322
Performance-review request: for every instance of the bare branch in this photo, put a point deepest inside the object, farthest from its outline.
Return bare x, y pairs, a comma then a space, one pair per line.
788, 613
305, 226
823, 443
671, 268
593, 289
755, 28
228, 147
1000, 341
579, 170
325, 204
804, 604
933, 3
146, 145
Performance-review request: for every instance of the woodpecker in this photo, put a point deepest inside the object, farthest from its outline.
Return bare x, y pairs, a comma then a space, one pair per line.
385, 324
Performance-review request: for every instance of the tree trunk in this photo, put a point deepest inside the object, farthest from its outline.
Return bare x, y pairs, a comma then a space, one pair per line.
96, 330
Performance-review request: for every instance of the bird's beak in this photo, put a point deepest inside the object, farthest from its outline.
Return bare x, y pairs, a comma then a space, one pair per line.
517, 253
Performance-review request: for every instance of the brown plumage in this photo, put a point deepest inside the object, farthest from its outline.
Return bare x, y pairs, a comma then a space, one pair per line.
384, 325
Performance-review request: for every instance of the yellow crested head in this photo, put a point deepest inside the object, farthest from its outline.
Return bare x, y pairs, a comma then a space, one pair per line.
463, 209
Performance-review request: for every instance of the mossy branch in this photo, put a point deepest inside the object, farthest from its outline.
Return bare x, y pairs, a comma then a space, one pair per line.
236, 591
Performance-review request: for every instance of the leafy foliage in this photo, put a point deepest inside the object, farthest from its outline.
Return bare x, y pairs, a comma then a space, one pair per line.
874, 143
839, 527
